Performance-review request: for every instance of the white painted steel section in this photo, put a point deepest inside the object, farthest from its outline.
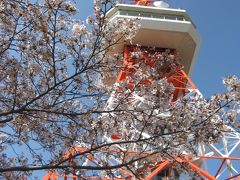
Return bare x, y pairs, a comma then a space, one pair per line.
230, 144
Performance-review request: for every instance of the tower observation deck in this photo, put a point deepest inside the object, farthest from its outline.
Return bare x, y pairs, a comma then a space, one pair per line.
164, 30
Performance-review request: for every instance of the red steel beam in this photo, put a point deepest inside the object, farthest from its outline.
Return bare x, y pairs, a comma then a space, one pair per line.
200, 171
142, 2
156, 171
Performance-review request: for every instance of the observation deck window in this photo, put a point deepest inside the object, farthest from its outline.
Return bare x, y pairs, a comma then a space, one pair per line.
171, 17
152, 15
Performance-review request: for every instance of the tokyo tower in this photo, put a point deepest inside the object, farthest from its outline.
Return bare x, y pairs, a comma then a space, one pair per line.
162, 30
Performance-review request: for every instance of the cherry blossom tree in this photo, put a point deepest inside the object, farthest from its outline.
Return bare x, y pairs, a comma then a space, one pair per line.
53, 96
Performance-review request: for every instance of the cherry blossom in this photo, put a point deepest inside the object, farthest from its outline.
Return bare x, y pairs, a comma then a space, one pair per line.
54, 95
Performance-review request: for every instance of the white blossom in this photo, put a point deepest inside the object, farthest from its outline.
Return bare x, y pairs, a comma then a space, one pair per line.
79, 29
57, 88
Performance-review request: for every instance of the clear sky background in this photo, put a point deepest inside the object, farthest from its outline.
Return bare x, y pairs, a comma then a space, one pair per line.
218, 23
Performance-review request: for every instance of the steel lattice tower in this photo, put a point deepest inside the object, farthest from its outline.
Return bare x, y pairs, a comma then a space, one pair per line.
166, 28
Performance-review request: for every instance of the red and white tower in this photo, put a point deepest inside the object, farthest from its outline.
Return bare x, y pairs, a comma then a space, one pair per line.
164, 28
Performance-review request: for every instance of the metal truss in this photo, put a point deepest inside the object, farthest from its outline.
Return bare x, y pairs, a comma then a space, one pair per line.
214, 161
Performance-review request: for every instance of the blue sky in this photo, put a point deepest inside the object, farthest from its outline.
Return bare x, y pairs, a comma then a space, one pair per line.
219, 27
218, 23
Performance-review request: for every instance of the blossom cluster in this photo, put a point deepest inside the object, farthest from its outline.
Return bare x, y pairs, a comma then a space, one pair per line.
50, 72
